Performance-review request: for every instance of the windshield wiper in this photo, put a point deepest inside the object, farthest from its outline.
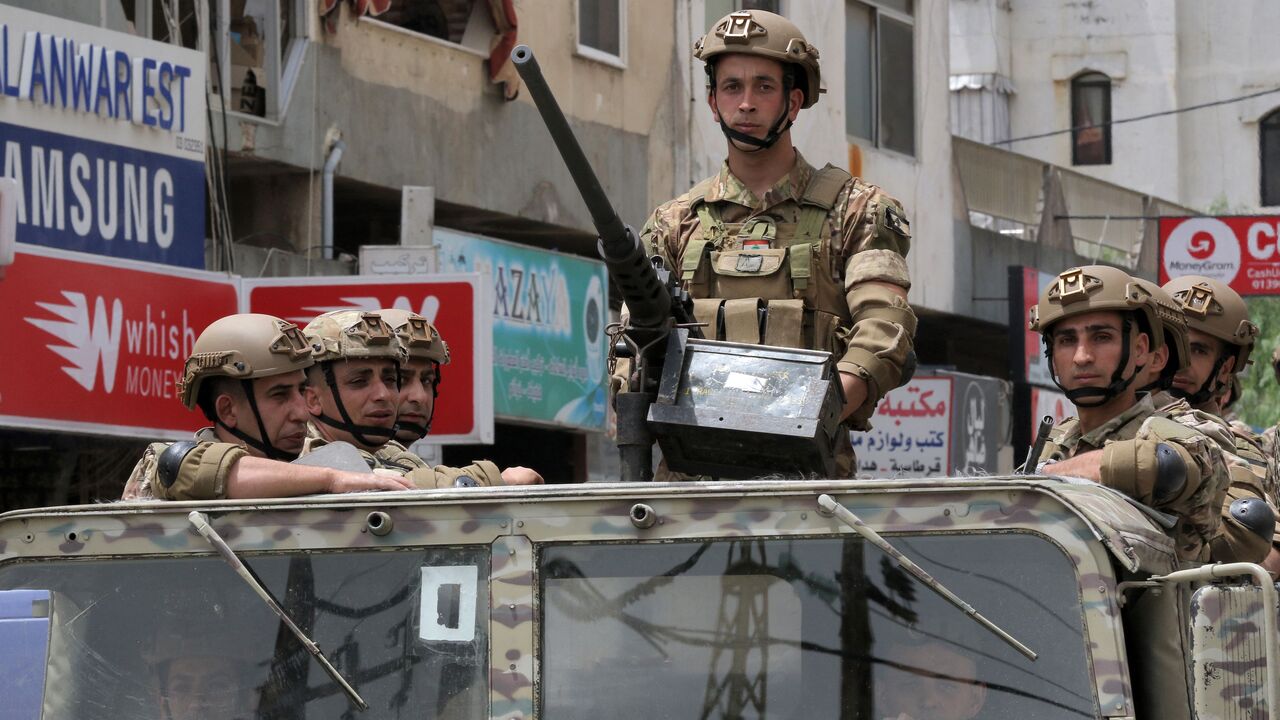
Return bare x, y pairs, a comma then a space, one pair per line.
201, 523
829, 504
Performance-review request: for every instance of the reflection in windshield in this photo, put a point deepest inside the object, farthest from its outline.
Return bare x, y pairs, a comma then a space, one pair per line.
185, 638
813, 628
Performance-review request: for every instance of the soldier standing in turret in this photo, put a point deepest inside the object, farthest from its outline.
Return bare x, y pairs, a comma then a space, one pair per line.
775, 251
1099, 329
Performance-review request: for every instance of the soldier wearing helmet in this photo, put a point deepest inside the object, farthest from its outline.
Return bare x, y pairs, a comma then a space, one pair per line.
1220, 338
354, 397
1099, 329
420, 386
246, 374
777, 252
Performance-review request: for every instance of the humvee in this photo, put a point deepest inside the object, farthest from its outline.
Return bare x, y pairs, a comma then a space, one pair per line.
730, 599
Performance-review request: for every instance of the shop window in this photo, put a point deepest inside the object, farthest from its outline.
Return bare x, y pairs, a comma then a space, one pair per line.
880, 96
1269, 137
258, 53
1091, 119
158, 19
717, 9
602, 30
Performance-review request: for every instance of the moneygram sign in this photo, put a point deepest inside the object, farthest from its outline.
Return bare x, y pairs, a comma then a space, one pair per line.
97, 346
1240, 251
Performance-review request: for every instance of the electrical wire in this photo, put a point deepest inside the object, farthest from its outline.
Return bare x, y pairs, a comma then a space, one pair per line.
1148, 116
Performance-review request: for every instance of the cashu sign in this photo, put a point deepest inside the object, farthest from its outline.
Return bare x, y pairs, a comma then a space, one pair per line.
1242, 251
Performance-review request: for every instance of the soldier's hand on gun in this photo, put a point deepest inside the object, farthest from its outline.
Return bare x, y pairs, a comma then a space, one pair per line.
518, 475
344, 482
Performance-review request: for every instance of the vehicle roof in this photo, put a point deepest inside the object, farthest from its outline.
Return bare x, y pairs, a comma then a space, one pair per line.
1125, 529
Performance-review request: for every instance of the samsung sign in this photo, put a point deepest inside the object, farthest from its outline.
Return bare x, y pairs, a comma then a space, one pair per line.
104, 133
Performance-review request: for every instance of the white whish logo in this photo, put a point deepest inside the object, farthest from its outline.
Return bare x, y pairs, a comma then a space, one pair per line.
83, 342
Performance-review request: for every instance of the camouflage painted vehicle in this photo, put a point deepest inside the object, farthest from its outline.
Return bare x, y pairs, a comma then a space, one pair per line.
691, 600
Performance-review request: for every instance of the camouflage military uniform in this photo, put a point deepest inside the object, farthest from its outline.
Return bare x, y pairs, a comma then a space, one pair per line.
393, 456
712, 236
1251, 469
202, 475
1197, 506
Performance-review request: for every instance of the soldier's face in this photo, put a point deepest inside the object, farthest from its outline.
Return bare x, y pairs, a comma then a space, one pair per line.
1087, 349
749, 95
929, 681
417, 396
281, 405
1205, 350
204, 688
369, 393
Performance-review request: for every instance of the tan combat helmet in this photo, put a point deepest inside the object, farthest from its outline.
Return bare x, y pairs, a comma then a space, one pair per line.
764, 34
244, 347
1172, 332
353, 335
1213, 308
419, 337
1095, 288
758, 32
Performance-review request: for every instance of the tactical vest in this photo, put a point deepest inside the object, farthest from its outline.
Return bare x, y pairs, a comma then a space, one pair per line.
788, 294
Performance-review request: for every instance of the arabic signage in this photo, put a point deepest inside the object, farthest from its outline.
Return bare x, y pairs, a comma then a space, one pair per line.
97, 345
1242, 251
549, 315
980, 420
911, 433
455, 304
105, 134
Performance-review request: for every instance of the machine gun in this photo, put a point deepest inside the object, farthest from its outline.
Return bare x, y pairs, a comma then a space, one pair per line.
716, 408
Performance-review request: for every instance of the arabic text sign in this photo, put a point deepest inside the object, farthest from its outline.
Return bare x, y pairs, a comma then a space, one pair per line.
105, 134
1240, 251
549, 315
97, 345
912, 433
455, 304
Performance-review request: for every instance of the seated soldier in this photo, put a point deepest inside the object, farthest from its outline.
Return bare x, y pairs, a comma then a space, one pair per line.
420, 386
928, 680
1247, 515
1098, 328
1221, 337
246, 374
353, 397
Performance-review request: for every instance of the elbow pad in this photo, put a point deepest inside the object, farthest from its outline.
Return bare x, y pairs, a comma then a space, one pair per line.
1254, 515
1170, 476
170, 461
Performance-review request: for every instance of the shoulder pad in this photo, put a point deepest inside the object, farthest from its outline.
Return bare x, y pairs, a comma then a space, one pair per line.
825, 186
1163, 428
170, 461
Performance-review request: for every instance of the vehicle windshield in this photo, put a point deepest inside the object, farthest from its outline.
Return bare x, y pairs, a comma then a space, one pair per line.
186, 638
811, 628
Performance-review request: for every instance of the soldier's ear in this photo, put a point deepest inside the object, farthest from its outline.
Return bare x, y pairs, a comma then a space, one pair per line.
226, 409
711, 103
312, 398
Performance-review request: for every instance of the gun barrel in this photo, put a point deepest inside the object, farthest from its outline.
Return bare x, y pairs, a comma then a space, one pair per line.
648, 298
606, 220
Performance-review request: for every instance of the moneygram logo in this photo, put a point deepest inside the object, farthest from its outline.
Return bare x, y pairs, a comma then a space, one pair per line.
1202, 246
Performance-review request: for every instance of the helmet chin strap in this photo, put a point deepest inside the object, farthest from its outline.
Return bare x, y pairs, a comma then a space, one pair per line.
1091, 397
262, 443
1208, 389
780, 126
380, 435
